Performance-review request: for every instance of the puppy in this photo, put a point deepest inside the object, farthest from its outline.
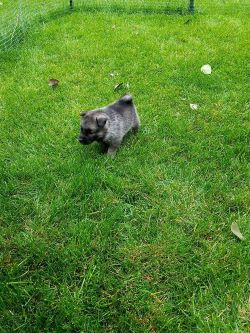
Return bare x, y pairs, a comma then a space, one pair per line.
108, 125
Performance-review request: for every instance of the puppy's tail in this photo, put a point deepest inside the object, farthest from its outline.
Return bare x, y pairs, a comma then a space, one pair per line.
126, 99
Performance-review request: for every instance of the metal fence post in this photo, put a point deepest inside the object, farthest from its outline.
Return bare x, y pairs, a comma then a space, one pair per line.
71, 4
191, 6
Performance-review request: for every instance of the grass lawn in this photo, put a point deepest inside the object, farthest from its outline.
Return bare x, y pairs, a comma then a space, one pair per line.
142, 242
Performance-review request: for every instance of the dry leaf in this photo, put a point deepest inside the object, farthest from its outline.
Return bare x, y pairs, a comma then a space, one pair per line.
236, 231
118, 86
206, 69
194, 106
53, 83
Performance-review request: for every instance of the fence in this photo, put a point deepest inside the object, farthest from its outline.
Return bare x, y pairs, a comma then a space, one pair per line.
16, 16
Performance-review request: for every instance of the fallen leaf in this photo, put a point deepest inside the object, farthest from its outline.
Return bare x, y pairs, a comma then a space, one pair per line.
236, 231
194, 106
53, 83
148, 278
118, 86
206, 69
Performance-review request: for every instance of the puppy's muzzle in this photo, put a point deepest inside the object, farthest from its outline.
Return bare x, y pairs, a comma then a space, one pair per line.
84, 140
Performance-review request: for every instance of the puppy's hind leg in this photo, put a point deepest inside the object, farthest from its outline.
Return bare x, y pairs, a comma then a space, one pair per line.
136, 126
136, 122
135, 129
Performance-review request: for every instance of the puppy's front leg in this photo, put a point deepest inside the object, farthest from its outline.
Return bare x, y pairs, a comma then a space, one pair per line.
114, 145
112, 150
104, 147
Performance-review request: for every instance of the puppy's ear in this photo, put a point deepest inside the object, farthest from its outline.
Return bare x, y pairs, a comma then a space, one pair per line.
82, 114
101, 120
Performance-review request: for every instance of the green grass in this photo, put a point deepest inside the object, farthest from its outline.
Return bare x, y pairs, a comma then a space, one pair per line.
142, 242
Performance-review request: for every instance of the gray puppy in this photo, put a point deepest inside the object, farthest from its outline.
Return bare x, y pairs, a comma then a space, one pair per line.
108, 125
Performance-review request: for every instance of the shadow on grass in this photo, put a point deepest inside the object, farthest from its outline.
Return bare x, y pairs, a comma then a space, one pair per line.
115, 9
123, 9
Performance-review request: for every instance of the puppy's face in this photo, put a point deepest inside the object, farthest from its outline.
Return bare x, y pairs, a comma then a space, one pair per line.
93, 127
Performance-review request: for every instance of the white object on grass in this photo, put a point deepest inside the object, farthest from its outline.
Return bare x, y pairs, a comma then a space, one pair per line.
194, 106
206, 69
113, 74
236, 231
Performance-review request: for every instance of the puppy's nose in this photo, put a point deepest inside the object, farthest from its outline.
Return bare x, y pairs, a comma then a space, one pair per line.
84, 140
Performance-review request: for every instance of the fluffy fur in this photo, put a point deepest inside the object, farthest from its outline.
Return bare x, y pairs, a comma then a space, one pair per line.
109, 125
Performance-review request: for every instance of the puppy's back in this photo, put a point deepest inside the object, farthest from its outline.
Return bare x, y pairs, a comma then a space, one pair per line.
123, 113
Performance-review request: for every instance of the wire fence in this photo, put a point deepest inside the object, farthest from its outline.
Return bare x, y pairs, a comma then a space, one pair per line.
16, 16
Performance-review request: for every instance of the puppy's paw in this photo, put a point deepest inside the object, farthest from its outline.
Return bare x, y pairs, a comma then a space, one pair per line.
112, 151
